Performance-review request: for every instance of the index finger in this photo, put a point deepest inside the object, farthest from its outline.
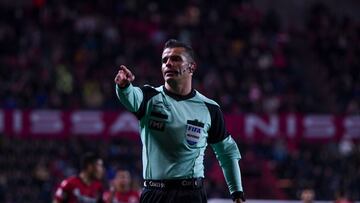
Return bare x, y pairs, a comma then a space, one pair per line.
127, 71
124, 68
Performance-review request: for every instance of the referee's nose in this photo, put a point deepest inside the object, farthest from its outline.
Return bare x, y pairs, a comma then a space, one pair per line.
169, 63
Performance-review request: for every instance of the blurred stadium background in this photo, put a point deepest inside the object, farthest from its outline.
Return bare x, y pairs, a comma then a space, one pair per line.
286, 73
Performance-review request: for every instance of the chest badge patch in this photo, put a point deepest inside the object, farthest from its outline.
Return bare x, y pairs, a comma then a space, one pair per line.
193, 131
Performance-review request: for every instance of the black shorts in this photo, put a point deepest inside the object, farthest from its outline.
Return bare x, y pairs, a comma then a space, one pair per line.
178, 191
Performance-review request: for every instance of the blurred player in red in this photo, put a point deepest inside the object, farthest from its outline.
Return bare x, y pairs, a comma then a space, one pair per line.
307, 195
85, 187
341, 197
121, 190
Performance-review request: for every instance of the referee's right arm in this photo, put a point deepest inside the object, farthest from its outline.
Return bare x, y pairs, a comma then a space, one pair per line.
130, 96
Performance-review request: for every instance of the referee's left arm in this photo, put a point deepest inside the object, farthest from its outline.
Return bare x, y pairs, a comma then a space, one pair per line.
228, 155
226, 151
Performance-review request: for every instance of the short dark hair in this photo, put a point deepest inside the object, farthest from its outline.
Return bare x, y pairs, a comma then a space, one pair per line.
122, 168
87, 159
172, 43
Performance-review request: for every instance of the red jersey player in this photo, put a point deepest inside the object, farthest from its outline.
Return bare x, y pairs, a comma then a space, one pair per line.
120, 191
86, 187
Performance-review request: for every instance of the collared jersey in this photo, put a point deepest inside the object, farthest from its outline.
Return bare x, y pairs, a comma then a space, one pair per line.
74, 190
175, 131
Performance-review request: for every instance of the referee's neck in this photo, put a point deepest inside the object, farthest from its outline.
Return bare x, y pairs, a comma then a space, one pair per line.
179, 89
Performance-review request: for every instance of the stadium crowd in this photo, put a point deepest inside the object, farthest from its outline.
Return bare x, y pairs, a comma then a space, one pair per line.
64, 55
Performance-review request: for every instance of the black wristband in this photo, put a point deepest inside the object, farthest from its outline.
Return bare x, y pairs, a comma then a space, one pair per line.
238, 194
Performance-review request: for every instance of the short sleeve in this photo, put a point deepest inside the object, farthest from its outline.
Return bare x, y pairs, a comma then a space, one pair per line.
62, 191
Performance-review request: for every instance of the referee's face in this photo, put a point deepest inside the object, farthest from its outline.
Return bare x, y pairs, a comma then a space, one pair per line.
177, 65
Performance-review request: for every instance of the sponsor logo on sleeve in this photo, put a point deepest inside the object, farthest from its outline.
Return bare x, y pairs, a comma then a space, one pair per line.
156, 125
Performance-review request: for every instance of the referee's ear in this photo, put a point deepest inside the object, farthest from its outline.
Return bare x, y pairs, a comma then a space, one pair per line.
192, 67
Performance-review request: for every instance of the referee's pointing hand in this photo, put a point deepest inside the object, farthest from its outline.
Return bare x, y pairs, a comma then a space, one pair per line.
124, 76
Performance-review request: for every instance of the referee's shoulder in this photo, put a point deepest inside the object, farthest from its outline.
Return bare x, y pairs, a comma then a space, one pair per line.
207, 100
148, 89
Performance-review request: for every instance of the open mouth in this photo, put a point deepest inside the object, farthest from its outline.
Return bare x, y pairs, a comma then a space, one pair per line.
171, 72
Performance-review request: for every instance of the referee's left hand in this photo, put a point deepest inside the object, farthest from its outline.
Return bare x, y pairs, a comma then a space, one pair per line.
238, 200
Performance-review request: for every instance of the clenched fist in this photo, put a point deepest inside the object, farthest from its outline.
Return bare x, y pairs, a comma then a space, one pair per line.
124, 76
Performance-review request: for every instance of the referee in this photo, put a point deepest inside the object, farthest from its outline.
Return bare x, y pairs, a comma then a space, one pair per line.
176, 124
